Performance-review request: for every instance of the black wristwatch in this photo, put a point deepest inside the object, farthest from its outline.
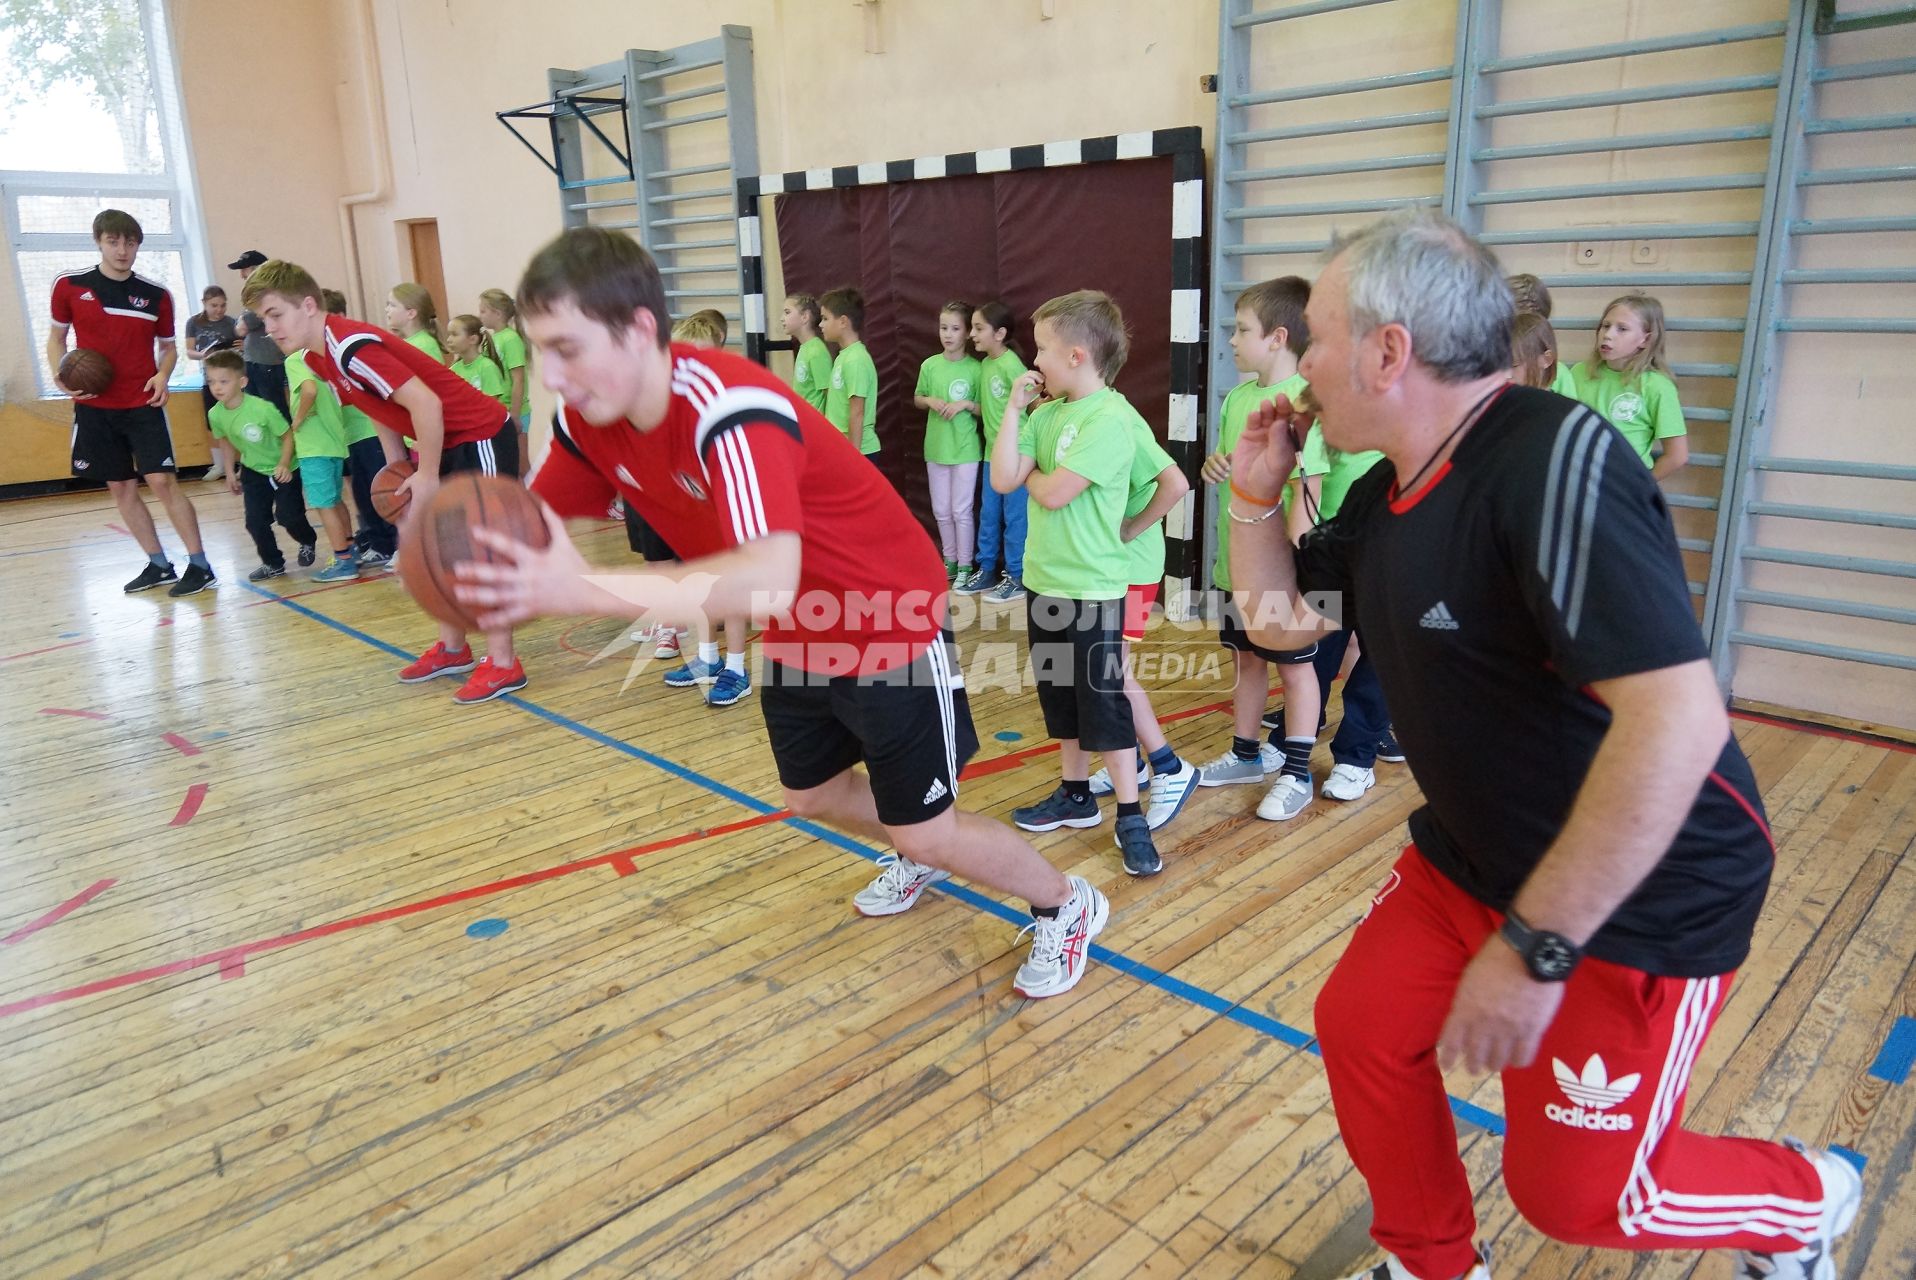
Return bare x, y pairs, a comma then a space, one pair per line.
1550, 957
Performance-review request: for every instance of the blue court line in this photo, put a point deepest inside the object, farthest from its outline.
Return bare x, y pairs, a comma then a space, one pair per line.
1230, 1010
1856, 1158
1898, 1054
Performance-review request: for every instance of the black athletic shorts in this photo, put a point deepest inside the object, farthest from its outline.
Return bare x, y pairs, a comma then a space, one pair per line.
911, 727
120, 444
1232, 635
497, 455
1077, 661
644, 539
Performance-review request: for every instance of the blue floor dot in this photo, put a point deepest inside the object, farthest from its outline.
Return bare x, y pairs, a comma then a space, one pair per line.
214, 736
70, 635
486, 928
1007, 735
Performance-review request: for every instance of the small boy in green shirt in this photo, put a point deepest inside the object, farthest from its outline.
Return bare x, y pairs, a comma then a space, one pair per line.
812, 368
851, 401
249, 430
1074, 455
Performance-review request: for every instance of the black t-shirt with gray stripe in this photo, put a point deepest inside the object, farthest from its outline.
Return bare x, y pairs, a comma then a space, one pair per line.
1539, 560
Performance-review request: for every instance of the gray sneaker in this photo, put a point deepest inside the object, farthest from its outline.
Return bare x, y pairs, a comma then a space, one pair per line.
1056, 810
1007, 590
1287, 798
1229, 770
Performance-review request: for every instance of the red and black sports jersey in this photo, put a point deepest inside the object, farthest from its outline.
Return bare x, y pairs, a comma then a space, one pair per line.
364, 365
1538, 561
740, 456
120, 319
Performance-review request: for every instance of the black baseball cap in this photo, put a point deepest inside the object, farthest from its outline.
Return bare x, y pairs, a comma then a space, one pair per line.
251, 258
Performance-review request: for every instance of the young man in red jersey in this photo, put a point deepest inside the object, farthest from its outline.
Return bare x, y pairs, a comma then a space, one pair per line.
405, 392
120, 434
777, 517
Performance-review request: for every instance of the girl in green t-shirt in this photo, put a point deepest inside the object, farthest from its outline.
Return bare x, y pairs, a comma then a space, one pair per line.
500, 314
812, 370
1001, 518
1626, 380
413, 315
475, 358
948, 392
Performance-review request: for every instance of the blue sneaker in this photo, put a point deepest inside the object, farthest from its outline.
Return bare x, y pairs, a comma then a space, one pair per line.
692, 673
975, 583
728, 688
342, 569
1387, 749
1056, 810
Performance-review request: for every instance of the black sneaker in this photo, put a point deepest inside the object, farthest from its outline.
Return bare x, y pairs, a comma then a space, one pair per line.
266, 571
306, 554
1057, 810
1134, 840
193, 581
150, 577
1387, 749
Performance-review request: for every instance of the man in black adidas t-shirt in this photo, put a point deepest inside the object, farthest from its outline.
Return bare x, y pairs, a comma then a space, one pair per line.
1571, 916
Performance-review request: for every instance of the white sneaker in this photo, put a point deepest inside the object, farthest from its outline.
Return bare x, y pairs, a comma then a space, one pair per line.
898, 887
1061, 948
1269, 758
1348, 782
1842, 1196
1391, 1269
1169, 794
642, 635
1101, 780
1286, 799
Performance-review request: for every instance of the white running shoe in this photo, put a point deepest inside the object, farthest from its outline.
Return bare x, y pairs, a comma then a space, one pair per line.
1061, 948
1169, 794
1286, 799
1391, 1269
1842, 1197
1101, 780
1348, 782
898, 887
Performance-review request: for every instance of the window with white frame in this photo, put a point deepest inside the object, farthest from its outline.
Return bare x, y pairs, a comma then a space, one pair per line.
90, 119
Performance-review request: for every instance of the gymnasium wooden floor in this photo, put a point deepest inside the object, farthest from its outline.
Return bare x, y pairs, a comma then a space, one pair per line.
257, 1017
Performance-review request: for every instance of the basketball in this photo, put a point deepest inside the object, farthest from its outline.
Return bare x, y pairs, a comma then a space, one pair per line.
441, 537
387, 500
86, 372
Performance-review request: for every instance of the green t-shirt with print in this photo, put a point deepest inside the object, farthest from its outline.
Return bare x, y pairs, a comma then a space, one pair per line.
995, 378
854, 374
1075, 552
1148, 462
812, 372
1346, 470
482, 373
428, 344
1236, 411
954, 440
254, 427
323, 434
1563, 382
1644, 408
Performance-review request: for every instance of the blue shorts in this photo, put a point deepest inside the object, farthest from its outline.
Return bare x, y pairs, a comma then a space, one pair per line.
320, 478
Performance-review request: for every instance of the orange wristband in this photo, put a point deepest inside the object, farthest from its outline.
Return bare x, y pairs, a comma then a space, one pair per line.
1245, 497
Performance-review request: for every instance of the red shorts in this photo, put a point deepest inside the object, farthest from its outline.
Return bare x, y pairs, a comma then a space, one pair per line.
1138, 600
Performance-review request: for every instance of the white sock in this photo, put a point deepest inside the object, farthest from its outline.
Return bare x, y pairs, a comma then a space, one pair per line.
708, 652
735, 662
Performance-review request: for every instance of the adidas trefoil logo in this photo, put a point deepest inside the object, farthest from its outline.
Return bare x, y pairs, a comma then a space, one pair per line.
937, 792
1594, 1093
1438, 618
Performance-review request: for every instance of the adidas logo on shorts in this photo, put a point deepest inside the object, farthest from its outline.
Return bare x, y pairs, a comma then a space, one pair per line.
1438, 618
937, 792
1595, 1093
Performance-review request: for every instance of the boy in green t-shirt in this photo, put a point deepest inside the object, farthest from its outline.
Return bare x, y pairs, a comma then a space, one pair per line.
375, 537
948, 392
1074, 455
318, 438
249, 430
1269, 336
812, 368
851, 401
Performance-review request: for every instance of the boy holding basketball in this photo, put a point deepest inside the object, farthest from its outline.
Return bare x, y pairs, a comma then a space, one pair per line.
120, 433
775, 517
406, 393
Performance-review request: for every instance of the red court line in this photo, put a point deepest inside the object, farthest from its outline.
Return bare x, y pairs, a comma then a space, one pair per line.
54, 916
117, 529
231, 961
69, 711
49, 649
190, 806
179, 744
1823, 731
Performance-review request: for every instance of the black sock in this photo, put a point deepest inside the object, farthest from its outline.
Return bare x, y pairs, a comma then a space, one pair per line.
1165, 760
1045, 913
1077, 790
1297, 757
1244, 748
1130, 809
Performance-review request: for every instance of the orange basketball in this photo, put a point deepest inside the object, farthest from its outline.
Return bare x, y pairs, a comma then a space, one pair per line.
86, 371
387, 500
440, 538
